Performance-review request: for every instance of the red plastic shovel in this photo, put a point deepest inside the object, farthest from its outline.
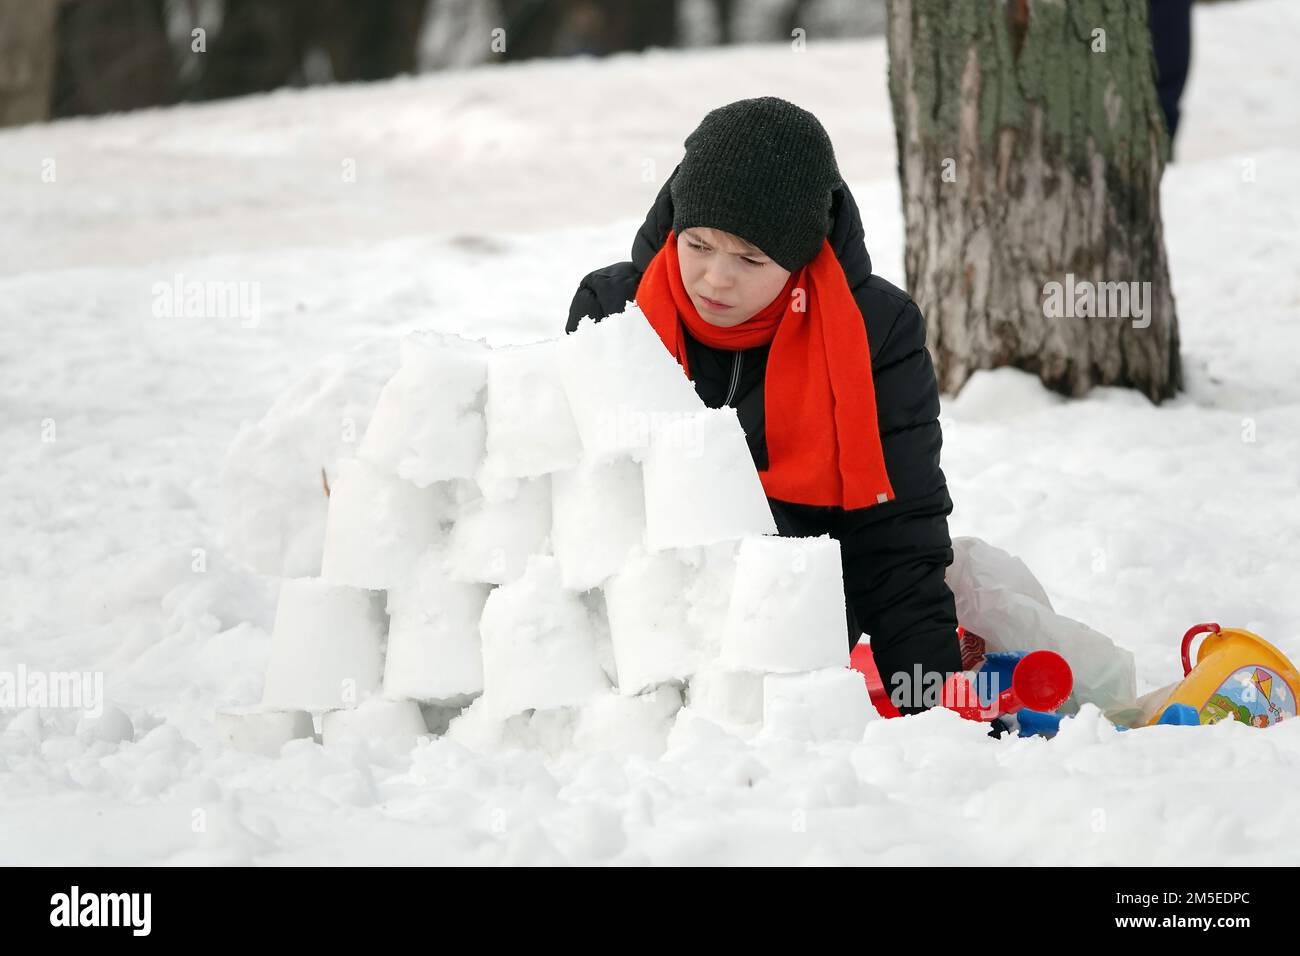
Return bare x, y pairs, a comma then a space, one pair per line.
861, 660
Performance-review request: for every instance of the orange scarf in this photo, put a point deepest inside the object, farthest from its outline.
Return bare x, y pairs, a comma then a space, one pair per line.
823, 440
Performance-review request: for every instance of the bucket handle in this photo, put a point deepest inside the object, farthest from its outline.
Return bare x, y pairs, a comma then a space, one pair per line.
1187, 643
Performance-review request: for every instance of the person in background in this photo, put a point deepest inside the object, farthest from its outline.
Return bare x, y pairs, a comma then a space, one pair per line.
1171, 40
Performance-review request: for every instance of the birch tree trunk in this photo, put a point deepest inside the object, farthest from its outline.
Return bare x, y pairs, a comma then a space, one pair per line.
1031, 145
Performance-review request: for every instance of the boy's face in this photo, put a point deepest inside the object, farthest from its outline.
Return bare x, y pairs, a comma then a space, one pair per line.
728, 279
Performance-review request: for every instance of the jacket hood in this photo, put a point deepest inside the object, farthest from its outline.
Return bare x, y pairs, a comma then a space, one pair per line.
846, 235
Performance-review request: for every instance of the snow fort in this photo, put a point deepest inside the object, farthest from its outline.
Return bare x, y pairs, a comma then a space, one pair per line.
558, 534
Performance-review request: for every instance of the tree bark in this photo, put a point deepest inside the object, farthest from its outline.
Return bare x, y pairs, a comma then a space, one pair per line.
259, 47
113, 55
26, 60
540, 28
531, 27
1028, 156
368, 41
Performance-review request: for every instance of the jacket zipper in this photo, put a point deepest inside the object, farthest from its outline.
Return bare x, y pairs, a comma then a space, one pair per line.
735, 378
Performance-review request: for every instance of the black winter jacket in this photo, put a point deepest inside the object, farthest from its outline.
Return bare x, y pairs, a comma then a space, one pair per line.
894, 554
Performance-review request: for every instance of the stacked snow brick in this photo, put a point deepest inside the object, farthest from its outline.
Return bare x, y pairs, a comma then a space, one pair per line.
555, 526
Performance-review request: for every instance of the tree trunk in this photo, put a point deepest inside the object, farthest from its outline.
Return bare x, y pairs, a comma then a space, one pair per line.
1031, 145
647, 23
531, 27
259, 47
538, 28
368, 41
725, 10
26, 60
113, 55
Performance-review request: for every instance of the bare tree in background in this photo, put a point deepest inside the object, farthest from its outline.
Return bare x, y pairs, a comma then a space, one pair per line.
725, 11
537, 28
794, 18
26, 60
112, 55
762, 22
258, 47
1031, 145
80, 57
531, 27
372, 40
262, 46
641, 24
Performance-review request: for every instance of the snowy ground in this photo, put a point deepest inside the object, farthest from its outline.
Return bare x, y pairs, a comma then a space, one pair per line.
480, 199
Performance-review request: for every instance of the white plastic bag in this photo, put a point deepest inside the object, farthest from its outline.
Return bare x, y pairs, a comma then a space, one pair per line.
999, 599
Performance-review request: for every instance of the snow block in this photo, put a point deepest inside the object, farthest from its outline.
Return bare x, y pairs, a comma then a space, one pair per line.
429, 424
787, 608
439, 714
621, 382
598, 511
539, 644
622, 725
273, 502
727, 696
827, 704
593, 602
260, 731
378, 527
493, 538
482, 729
379, 720
711, 576
112, 726
701, 486
434, 651
325, 647
530, 430
648, 626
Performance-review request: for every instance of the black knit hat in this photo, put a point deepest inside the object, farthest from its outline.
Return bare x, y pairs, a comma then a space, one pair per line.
762, 169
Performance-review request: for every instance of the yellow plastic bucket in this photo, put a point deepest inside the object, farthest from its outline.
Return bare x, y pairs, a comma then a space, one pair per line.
1238, 675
